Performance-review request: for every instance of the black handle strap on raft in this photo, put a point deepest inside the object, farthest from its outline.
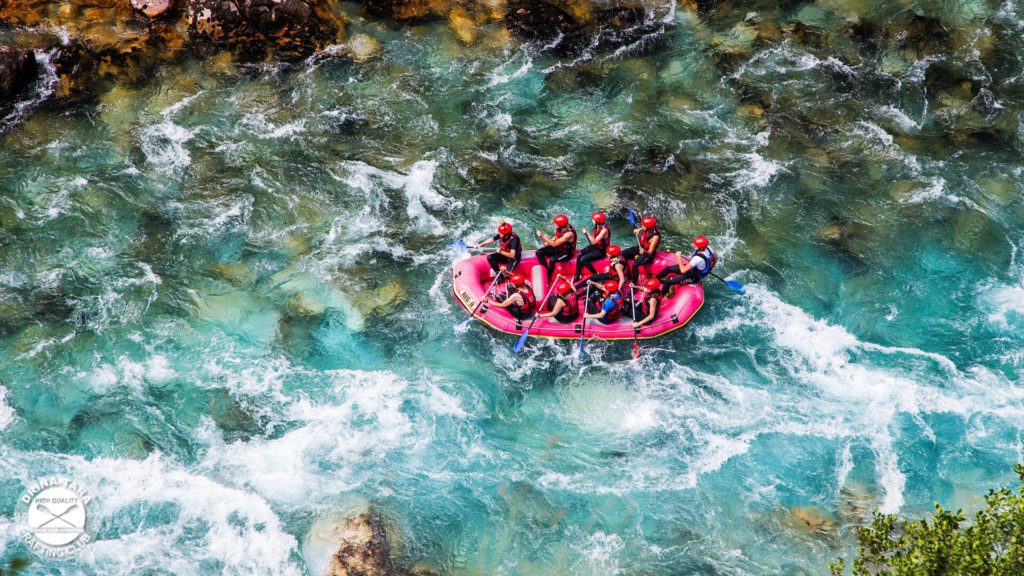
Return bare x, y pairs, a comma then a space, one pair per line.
675, 319
578, 328
519, 324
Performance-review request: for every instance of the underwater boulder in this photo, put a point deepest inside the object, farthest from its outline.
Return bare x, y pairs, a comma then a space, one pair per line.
355, 542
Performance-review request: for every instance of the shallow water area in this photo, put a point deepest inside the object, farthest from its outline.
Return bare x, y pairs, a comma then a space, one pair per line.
225, 298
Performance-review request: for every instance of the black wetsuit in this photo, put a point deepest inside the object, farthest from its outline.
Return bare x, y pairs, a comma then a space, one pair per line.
511, 244
548, 256
603, 277
587, 256
646, 237
691, 276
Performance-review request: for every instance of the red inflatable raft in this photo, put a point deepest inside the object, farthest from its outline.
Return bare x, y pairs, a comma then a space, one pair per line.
471, 278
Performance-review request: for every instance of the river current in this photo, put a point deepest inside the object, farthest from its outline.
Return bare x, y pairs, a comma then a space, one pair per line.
225, 298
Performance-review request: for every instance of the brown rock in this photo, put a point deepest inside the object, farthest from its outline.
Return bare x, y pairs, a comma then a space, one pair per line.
256, 28
397, 9
153, 9
17, 70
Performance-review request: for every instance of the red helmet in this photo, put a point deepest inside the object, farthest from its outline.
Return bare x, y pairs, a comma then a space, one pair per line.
564, 288
598, 217
700, 242
505, 228
517, 279
652, 284
611, 286
613, 250
561, 220
648, 222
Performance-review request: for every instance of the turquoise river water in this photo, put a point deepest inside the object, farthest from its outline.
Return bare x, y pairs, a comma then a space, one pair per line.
225, 302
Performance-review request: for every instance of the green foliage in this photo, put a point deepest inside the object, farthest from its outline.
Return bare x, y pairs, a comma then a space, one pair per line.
946, 545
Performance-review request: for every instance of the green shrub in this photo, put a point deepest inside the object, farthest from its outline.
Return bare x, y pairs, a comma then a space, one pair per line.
945, 545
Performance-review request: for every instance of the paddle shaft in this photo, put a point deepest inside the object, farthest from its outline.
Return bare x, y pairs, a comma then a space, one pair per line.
583, 330
632, 310
484, 298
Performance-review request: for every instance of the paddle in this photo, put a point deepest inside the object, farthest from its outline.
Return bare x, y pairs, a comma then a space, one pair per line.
632, 309
583, 331
478, 304
460, 245
522, 339
735, 286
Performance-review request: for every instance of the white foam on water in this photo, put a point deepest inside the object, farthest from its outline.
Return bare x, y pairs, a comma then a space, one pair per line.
362, 418
600, 554
154, 370
873, 131
416, 186
500, 76
1004, 305
6, 412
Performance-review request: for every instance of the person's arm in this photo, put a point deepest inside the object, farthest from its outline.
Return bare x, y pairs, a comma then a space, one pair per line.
622, 274
683, 265
655, 240
599, 314
558, 308
485, 243
561, 240
508, 301
653, 303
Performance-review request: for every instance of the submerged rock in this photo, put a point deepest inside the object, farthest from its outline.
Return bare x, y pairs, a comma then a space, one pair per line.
359, 544
812, 519
17, 70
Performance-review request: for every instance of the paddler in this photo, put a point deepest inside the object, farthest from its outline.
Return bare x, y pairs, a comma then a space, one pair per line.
510, 249
646, 302
702, 261
600, 238
610, 306
558, 248
616, 269
563, 305
518, 299
648, 238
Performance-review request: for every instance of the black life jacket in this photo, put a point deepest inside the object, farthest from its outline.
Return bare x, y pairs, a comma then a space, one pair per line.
570, 246
647, 235
506, 248
603, 244
642, 306
711, 258
521, 311
570, 311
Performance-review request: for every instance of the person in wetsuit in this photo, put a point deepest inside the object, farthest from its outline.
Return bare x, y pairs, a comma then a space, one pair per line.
510, 249
559, 248
599, 241
649, 238
646, 302
563, 305
609, 306
518, 299
700, 264
616, 269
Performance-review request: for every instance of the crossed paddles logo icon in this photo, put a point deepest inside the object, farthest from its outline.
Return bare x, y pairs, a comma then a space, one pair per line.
55, 514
